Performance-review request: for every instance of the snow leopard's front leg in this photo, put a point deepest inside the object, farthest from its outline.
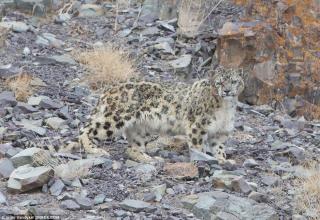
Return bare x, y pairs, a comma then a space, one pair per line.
215, 145
85, 139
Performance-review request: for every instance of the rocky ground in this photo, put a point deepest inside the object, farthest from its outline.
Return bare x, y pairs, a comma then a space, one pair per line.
266, 153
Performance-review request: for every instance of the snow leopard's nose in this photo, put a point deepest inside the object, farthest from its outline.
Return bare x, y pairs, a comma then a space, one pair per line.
227, 92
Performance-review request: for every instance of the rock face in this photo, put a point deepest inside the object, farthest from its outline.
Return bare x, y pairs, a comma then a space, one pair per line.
279, 45
220, 205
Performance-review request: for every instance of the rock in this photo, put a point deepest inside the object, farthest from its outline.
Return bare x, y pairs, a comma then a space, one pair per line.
56, 123
150, 31
70, 205
149, 197
210, 205
8, 70
49, 39
35, 100
181, 170
76, 183
99, 199
24, 108
223, 179
3, 199
258, 197
182, 64
62, 18
135, 205
49, 104
84, 203
77, 168
7, 99
240, 185
164, 47
6, 168
31, 125
4, 148
28, 5
159, 191
145, 171
26, 178
16, 26
63, 59
196, 155
270, 180
250, 163
90, 10
28, 156
57, 187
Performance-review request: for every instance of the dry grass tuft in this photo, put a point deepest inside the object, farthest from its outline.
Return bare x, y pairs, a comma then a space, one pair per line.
307, 198
193, 13
106, 65
21, 86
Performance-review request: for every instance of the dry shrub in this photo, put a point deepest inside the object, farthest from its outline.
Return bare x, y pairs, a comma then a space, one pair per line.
307, 198
106, 66
21, 86
193, 13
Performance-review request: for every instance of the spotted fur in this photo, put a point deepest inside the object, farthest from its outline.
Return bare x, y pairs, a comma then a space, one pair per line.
204, 112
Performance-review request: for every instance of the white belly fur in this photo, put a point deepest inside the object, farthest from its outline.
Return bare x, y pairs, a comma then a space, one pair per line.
224, 118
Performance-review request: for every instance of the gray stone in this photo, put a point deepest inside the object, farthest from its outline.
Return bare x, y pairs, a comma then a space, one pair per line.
270, 180
28, 5
240, 185
49, 39
135, 205
209, 205
90, 10
26, 178
16, 26
24, 108
35, 100
145, 171
76, 183
150, 31
99, 199
7, 99
3, 199
77, 168
27, 156
250, 163
4, 148
32, 125
181, 63
63, 59
159, 191
164, 47
196, 155
49, 104
6, 168
57, 187
226, 216
223, 179
258, 197
56, 123
149, 197
84, 202
70, 205
62, 18
8, 70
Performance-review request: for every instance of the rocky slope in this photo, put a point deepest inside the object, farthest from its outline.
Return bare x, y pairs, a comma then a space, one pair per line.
267, 152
